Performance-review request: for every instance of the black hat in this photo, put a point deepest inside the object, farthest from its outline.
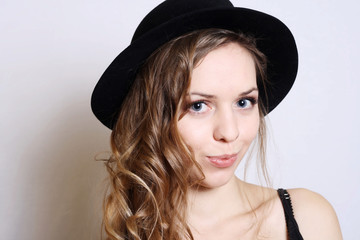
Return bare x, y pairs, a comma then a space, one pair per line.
173, 18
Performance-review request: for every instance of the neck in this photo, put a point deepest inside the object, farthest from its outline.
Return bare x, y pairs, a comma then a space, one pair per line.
216, 204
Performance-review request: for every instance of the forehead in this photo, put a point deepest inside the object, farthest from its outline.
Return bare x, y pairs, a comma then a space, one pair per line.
229, 67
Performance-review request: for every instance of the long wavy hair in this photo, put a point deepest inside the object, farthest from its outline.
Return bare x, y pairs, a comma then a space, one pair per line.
150, 165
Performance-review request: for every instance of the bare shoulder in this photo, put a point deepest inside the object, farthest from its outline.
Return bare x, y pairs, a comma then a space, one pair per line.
315, 215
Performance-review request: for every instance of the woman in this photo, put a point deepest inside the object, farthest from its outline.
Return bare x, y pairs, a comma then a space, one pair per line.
185, 101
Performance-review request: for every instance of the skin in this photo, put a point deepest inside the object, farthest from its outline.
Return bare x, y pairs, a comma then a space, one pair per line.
216, 124
220, 123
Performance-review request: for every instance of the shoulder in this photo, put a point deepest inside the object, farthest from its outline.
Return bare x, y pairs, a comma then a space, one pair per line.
315, 215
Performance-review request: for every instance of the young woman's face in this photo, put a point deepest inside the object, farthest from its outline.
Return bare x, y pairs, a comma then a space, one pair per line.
222, 117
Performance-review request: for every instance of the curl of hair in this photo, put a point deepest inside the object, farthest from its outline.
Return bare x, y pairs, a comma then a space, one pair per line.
150, 166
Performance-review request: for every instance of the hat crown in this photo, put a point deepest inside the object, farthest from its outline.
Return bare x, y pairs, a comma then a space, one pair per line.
171, 9
174, 18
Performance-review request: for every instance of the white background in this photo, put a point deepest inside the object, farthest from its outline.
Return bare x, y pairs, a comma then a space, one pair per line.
51, 56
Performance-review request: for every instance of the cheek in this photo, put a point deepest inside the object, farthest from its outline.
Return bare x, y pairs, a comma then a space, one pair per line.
193, 133
250, 128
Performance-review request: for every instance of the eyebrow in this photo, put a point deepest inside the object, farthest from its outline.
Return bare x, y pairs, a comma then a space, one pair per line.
212, 96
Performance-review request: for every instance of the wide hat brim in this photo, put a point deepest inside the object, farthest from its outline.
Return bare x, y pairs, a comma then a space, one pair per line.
274, 39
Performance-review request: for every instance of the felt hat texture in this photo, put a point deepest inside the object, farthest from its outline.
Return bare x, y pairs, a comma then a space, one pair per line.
173, 18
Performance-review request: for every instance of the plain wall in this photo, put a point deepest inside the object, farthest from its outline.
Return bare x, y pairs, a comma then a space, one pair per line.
53, 52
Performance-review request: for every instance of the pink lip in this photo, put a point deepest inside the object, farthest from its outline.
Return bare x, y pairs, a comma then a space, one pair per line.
222, 161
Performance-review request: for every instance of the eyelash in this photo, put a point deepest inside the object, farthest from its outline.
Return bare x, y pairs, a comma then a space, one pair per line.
253, 101
192, 104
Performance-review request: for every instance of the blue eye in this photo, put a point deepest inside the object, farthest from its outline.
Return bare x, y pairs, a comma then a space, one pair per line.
245, 103
198, 107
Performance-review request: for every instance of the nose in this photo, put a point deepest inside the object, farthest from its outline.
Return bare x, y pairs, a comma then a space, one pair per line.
226, 127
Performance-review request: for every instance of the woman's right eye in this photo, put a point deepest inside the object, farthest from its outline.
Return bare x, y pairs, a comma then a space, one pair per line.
198, 107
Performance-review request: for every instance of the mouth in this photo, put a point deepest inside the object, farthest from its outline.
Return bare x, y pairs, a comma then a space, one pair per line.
222, 161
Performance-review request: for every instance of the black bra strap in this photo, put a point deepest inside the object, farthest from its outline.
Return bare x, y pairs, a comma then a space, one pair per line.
291, 224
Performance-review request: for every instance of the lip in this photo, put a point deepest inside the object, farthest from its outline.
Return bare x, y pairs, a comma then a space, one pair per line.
222, 161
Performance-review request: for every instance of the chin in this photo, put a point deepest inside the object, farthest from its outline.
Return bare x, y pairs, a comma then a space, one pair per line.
218, 178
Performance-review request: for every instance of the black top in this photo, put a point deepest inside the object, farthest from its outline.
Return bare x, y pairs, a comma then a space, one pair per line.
293, 231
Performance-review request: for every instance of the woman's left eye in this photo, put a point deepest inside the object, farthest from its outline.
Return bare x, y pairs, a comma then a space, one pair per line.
245, 103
